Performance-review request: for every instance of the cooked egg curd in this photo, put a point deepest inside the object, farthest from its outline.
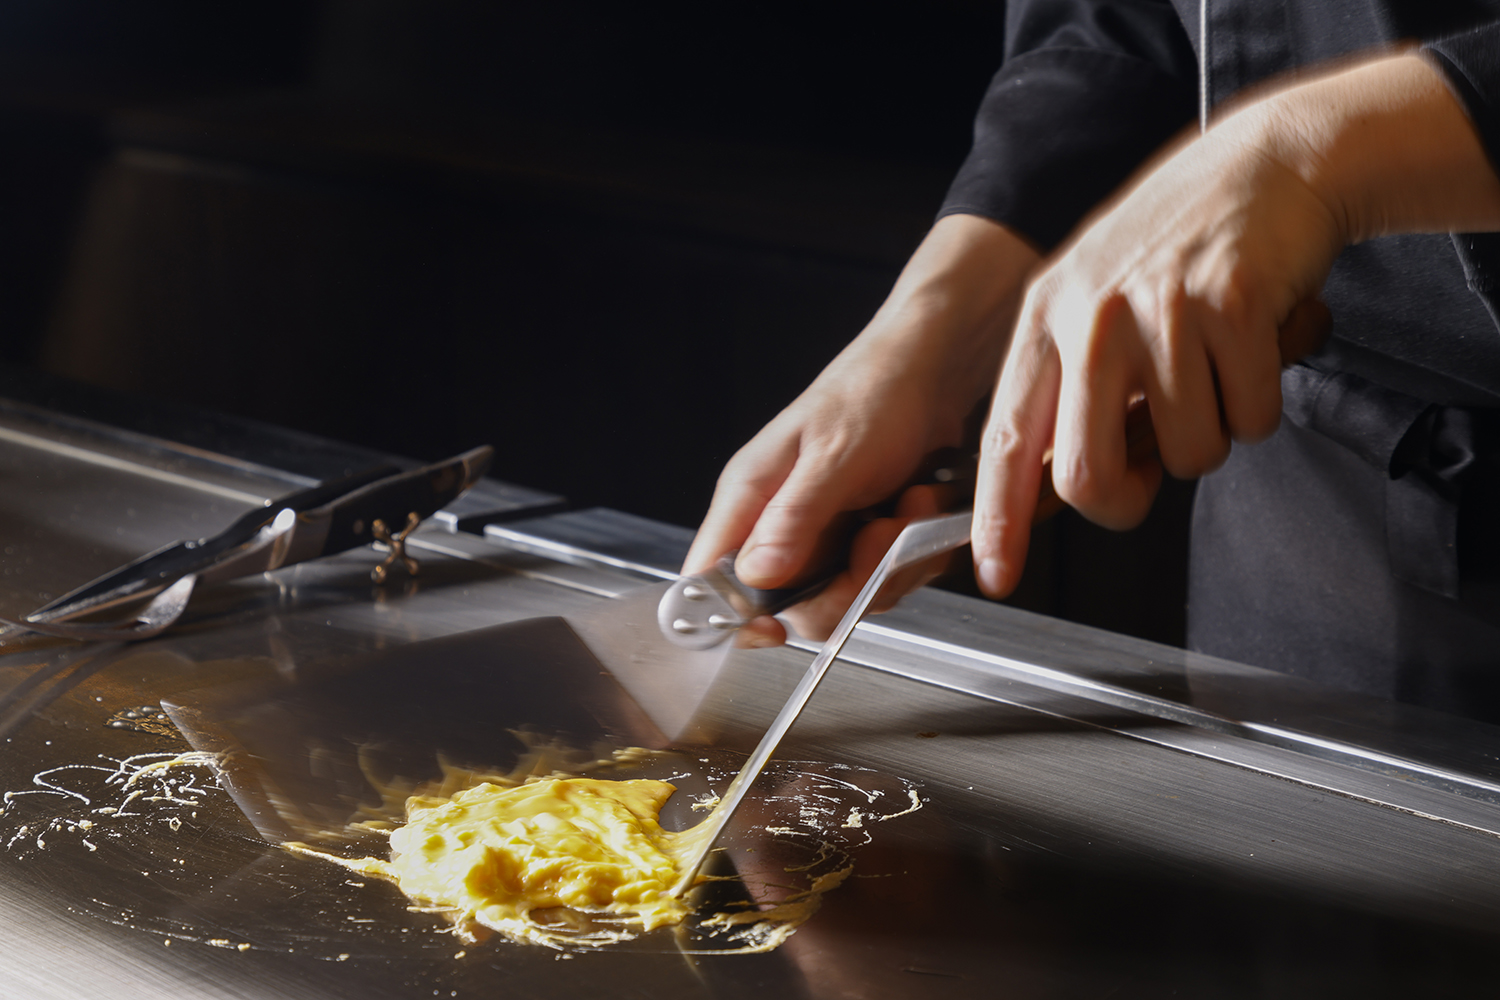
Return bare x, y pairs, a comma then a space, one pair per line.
495, 854
541, 856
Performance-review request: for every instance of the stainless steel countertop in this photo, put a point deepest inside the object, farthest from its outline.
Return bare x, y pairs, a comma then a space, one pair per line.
1102, 816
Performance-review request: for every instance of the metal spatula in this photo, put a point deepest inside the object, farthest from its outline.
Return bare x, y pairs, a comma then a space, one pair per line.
919, 541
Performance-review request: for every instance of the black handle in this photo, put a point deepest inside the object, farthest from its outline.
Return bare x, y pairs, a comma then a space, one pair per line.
422, 491
950, 467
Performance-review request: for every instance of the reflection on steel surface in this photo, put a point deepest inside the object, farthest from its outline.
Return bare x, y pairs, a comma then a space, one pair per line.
322, 520
667, 680
159, 614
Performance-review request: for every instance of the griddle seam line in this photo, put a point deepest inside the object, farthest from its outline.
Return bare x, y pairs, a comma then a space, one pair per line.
1302, 782
417, 541
125, 465
1178, 712
1130, 699
563, 552
122, 436
1191, 752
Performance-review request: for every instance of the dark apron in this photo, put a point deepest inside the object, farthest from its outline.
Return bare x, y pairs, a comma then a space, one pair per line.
1358, 547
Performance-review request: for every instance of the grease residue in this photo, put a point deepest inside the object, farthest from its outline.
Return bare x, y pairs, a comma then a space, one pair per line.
154, 786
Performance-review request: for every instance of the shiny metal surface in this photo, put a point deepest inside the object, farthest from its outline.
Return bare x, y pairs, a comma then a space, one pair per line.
698, 612
917, 542
73, 509
1100, 817
331, 517
668, 681
159, 614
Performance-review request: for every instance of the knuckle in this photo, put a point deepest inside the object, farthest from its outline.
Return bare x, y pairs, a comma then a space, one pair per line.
1052, 300
1125, 515
1252, 397
1005, 445
1036, 307
1043, 288
1233, 303
1077, 482
1113, 325
788, 507
1239, 301
741, 476
1195, 458
1168, 303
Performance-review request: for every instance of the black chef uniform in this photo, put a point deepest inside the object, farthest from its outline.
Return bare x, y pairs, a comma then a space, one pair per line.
1360, 546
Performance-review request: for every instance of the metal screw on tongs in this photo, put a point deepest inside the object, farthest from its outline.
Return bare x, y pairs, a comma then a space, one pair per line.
397, 543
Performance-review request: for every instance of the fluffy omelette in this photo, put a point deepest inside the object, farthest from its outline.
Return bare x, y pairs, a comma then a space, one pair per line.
496, 854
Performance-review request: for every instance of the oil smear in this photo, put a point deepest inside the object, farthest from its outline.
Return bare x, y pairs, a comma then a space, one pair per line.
93, 801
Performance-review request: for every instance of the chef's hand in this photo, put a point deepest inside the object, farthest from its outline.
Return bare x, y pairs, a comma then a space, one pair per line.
1196, 285
902, 389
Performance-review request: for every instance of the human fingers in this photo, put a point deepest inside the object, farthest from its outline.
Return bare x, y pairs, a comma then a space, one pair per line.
1017, 434
1182, 388
916, 503
760, 633
1303, 331
816, 617
1249, 357
1241, 339
793, 525
749, 480
1091, 466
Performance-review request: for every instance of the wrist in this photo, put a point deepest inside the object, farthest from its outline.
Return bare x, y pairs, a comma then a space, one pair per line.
1383, 145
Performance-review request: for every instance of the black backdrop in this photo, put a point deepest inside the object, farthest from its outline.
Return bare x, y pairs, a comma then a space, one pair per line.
610, 239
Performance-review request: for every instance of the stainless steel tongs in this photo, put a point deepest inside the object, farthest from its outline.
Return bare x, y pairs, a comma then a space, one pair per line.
379, 504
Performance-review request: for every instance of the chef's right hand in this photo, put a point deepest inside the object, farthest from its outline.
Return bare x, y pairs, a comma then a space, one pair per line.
905, 387
1195, 285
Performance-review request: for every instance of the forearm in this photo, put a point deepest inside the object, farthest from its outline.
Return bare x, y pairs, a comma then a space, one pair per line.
1385, 145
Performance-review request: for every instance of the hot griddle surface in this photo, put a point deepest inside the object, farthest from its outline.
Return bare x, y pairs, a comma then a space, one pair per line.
1064, 848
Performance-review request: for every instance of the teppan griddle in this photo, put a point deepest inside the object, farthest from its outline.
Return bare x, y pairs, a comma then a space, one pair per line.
1100, 817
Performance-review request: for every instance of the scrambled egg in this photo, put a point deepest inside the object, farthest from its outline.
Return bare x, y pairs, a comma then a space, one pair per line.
493, 854
525, 860
543, 857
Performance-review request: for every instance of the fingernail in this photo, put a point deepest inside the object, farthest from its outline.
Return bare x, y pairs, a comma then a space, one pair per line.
763, 562
758, 640
991, 576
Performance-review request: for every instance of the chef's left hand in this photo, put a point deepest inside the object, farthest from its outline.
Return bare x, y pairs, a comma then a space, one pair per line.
1200, 281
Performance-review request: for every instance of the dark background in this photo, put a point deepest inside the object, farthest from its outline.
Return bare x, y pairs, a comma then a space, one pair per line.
610, 239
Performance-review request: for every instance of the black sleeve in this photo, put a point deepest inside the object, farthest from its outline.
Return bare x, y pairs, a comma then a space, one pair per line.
1087, 91
1472, 63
